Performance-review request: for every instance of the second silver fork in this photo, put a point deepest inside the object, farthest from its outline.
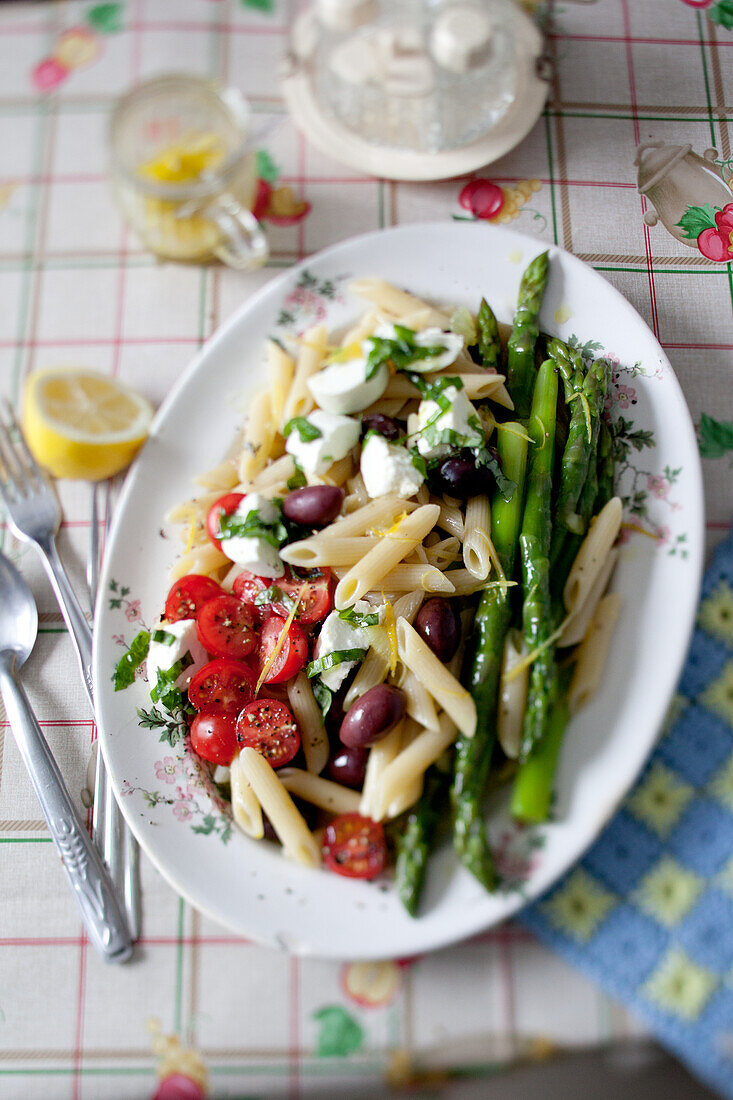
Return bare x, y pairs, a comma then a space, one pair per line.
34, 516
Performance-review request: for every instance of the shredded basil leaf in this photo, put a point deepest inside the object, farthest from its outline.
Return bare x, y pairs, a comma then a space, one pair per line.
302, 425
431, 391
164, 691
330, 660
163, 637
252, 526
419, 463
323, 695
298, 479
505, 485
356, 618
401, 350
274, 594
131, 661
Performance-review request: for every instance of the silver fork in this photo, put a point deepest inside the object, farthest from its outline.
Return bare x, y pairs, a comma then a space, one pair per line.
34, 516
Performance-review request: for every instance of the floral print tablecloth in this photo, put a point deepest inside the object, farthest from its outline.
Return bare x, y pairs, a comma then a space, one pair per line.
629, 167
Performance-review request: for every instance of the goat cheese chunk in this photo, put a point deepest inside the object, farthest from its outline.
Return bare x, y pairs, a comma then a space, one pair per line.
177, 640
339, 634
337, 435
253, 552
388, 468
436, 431
451, 342
345, 388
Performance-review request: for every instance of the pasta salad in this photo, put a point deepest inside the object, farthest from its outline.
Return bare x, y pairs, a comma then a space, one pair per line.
394, 594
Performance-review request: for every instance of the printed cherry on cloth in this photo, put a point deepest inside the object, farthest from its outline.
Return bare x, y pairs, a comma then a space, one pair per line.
648, 914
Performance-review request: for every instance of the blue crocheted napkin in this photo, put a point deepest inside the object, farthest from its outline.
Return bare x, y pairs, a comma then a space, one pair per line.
648, 913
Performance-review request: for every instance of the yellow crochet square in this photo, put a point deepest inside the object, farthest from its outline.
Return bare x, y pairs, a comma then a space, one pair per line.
579, 906
660, 800
718, 695
668, 891
679, 985
716, 613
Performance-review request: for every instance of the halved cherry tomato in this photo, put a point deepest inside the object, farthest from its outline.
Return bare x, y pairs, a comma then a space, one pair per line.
224, 506
293, 652
314, 604
225, 627
188, 595
222, 685
269, 727
214, 736
354, 846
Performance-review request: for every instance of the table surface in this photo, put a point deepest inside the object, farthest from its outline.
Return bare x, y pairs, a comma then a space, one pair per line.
77, 288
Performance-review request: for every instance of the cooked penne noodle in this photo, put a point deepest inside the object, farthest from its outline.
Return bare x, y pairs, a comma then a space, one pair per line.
444, 552
592, 652
387, 406
329, 551
395, 301
420, 705
372, 517
309, 719
476, 386
416, 655
512, 695
364, 327
406, 578
374, 567
412, 762
281, 372
245, 807
576, 624
593, 552
205, 559
380, 756
422, 496
259, 436
451, 517
275, 475
195, 509
425, 317
356, 488
411, 791
464, 583
326, 794
476, 540
313, 348
221, 477
284, 816
376, 664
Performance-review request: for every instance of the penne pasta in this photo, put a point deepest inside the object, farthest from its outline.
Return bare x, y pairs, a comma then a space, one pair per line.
312, 352
390, 298
281, 372
380, 756
512, 695
221, 477
444, 552
476, 386
593, 552
364, 327
326, 794
372, 517
357, 489
576, 624
245, 807
284, 815
416, 655
275, 475
329, 551
309, 719
372, 570
451, 517
406, 578
477, 539
259, 436
420, 705
204, 559
411, 763
592, 652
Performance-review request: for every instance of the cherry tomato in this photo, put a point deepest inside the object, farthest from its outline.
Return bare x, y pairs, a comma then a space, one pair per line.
314, 604
225, 627
293, 652
214, 736
269, 727
354, 846
224, 506
188, 596
222, 685
247, 587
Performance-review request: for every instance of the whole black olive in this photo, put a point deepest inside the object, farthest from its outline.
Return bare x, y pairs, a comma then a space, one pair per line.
372, 716
314, 506
438, 624
348, 766
385, 425
461, 477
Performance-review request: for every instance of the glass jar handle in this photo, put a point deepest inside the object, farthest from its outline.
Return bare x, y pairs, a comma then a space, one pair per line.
243, 245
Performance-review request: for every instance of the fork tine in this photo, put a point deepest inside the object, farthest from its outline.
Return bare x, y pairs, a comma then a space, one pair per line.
32, 469
16, 479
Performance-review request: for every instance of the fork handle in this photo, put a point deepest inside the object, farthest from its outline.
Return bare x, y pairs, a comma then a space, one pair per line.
74, 617
87, 875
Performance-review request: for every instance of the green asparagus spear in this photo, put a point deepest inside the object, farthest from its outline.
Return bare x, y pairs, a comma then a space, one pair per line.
523, 338
605, 466
473, 755
489, 345
415, 842
537, 617
534, 784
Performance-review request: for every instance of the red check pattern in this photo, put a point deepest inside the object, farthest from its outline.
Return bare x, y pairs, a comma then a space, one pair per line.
76, 287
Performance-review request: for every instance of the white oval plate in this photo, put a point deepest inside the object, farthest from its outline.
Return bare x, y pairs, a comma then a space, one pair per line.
176, 817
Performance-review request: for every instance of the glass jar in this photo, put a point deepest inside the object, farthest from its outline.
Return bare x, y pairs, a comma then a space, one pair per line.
183, 173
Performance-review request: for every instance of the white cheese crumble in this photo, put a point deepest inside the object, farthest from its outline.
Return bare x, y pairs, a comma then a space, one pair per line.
255, 554
338, 435
427, 338
455, 419
162, 656
337, 633
388, 468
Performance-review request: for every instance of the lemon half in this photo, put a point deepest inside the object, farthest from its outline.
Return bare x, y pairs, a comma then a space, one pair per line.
81, 424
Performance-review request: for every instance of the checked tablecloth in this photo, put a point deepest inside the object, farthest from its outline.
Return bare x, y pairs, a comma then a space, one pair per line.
77, 288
